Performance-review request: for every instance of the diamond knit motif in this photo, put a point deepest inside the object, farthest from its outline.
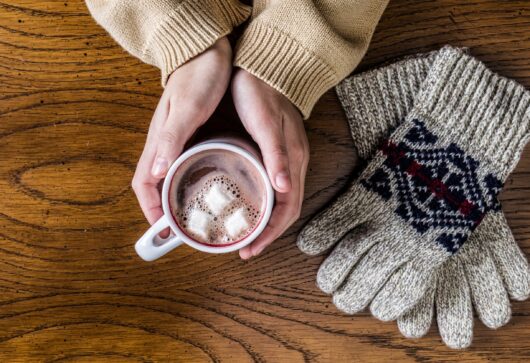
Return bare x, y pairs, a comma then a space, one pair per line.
436, 187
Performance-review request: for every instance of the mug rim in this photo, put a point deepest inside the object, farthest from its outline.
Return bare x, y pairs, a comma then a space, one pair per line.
218, 144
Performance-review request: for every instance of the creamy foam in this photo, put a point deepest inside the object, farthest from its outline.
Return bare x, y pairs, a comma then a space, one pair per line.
239, 193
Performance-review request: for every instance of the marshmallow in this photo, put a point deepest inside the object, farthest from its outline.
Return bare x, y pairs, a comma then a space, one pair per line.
217, 199
198, 223
236, 223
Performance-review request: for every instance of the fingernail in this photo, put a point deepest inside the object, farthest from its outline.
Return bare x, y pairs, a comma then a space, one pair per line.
245, 254
282, 180
160, 167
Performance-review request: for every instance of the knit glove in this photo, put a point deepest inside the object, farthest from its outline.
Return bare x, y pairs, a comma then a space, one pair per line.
487, 268
427, 188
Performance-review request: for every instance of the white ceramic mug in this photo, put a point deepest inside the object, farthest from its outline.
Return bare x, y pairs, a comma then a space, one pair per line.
151, 246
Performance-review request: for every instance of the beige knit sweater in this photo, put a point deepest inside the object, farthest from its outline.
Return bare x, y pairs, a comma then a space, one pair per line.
302, 48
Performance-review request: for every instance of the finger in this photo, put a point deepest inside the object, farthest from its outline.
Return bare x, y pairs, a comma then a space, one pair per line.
245, 253
172, 136
416, 322
145, 186
285, 212
271, 141
150, 203
288, 205
300, 130
454, 312
148, 196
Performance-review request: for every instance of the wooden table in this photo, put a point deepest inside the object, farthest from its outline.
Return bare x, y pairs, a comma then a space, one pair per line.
74, 110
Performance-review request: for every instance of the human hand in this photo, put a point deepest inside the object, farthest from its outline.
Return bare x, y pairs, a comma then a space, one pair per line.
191, 95
276, 126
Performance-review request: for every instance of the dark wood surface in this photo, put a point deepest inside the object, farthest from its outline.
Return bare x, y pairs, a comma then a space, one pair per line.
74, 110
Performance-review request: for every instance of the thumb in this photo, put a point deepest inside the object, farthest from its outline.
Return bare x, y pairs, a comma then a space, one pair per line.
171, 139
271, 141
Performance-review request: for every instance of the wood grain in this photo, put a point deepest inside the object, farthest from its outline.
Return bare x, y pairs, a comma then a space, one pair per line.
74, 110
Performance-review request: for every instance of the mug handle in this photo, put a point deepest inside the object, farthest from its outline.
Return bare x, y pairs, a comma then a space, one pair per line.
151, 246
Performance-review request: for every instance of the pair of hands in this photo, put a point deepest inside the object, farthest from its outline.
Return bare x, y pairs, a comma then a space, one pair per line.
191, 96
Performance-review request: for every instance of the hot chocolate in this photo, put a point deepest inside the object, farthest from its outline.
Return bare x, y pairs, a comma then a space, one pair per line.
217, 197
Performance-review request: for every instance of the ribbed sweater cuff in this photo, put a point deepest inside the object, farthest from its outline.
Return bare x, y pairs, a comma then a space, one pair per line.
284, 64
486, 114
377, 101
190, 29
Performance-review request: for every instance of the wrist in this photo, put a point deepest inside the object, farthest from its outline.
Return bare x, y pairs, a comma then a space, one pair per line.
220, 53
222, 46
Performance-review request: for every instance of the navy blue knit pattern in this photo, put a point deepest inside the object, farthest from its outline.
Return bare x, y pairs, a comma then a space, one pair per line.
437, 187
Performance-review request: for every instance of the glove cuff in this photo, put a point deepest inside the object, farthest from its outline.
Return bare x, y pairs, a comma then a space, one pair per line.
485, 114
377, 101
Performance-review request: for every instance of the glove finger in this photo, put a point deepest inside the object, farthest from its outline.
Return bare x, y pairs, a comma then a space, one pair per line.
372, 271
344, 256
417, 322
453, 306
509, 260
405, 287
487, 290
408, 285
350, 210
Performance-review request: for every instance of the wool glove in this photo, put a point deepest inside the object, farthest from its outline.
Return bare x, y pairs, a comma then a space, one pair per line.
488, 266
427, 188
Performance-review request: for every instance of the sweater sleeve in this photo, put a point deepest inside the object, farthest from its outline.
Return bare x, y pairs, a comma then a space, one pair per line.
167, 33
302, 48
